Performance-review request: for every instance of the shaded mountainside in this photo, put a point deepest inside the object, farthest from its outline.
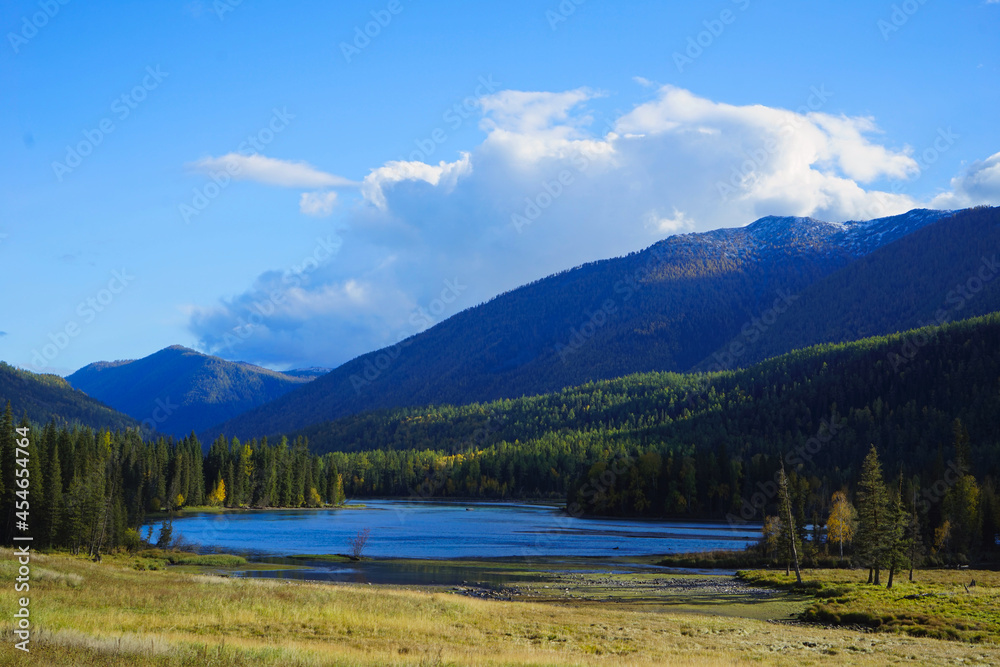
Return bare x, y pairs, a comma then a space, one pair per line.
178, 390
662, 309
47, 397
908, 387
941, 273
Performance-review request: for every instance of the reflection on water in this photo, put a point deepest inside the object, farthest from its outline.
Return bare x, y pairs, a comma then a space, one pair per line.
421, 529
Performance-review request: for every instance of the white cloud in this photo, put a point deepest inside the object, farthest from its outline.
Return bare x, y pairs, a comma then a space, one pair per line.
531, 112
677, 222
588, 188
319, 204
979, 183
445, 174
271, 171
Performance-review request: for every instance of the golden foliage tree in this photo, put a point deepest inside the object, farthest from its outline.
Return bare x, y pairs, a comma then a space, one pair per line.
218, 494
843, 518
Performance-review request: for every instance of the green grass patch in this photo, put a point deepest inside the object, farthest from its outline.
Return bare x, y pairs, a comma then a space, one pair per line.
939, 604
741, 559
326, 558
211, 560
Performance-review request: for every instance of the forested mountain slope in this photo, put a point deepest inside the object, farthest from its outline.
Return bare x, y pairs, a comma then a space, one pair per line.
941, 273
47, 397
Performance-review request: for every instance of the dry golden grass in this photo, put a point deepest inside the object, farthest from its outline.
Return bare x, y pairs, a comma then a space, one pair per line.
109, 614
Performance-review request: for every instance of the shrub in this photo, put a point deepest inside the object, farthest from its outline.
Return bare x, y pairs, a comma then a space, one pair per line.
132, 540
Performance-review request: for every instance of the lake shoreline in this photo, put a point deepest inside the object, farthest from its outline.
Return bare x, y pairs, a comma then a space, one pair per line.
424, 529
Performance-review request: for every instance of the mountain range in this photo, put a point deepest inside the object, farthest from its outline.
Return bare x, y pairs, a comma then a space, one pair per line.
718, 300
177, 390
709, 301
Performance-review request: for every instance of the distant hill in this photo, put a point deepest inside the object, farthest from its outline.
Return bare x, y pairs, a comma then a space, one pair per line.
47, 397
666, 308
178, 390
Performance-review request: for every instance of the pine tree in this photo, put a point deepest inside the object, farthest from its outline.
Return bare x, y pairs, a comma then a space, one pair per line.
913, 535
54, 498
896, 533
873, 517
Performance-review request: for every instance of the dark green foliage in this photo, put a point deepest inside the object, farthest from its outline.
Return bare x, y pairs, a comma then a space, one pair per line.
45, 397
875, 520
177, 390
99, 501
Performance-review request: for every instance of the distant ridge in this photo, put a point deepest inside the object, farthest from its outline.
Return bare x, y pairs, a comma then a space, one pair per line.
178, 390
47, 397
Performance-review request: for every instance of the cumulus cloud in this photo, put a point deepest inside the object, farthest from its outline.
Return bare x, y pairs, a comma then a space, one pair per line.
552, 185
979, 183
444, 174
271, 171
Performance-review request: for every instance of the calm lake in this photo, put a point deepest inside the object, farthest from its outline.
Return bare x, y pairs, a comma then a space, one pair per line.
423, 529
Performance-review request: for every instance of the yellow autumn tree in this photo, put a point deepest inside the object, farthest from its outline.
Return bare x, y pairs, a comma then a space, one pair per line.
218, 494
840, 525
942, 537
337, 497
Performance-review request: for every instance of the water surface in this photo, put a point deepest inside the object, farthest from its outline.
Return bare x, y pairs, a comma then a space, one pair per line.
438, 530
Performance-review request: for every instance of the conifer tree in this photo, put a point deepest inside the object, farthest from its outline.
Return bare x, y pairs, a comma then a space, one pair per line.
897, 541
7, 488
873, 517
913, 535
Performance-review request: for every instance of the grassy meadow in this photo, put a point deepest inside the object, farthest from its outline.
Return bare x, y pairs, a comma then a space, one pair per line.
938, 603
113, 613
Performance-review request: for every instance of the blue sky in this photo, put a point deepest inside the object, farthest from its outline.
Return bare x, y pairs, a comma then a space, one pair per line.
457, 151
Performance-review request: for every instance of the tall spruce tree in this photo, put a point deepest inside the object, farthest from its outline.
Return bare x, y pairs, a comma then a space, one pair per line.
896, 533
873, 517
913, 534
